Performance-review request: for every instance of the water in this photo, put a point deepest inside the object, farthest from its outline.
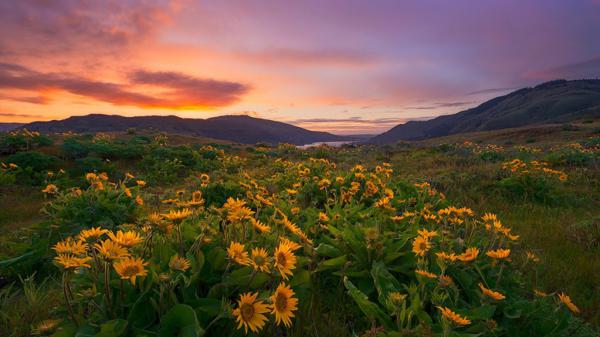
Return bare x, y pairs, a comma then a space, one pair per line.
334, 144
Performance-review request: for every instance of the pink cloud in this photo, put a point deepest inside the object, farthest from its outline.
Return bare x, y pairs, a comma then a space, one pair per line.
182, 91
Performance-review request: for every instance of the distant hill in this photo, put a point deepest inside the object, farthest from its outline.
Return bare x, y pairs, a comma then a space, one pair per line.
9, 126
241, 129
551, 102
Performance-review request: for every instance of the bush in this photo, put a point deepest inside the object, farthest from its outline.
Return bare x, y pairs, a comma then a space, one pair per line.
73, 148
34, 166
91, 164
22, 140
531, 181
101, 204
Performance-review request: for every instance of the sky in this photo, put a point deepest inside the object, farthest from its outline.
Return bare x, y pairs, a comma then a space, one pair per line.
344, 66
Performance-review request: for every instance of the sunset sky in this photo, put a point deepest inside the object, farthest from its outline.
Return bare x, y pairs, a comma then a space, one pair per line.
342, 66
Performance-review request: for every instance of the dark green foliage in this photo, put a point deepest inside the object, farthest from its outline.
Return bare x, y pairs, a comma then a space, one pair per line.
33, 166
73, 211
14, 142
217, 194
73, 148
91, 164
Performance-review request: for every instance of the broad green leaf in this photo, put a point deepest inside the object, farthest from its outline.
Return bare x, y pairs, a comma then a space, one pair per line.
7, 263
483, 312
301, 279
142, 315
327, 250
114, 328
370, 309
384, 281
66, 330
86, 330
208, 306
217, 258
337, 262
180, 321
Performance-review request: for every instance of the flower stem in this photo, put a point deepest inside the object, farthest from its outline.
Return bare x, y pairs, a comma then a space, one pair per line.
66, 292
107, 289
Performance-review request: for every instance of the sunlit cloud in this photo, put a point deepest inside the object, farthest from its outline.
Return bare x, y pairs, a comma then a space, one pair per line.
182, 91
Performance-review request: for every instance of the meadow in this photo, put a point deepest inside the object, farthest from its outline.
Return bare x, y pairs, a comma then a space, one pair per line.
139, 234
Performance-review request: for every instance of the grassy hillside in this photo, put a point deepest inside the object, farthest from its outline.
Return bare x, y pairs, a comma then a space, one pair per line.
553, 102
556, 220
240, 129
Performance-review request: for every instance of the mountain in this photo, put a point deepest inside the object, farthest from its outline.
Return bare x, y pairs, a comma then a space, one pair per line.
240, 129
551, 102
9, 126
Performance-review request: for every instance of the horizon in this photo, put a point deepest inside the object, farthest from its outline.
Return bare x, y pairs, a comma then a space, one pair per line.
342, 67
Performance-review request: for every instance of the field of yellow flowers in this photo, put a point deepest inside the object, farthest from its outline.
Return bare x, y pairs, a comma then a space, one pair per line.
274, 241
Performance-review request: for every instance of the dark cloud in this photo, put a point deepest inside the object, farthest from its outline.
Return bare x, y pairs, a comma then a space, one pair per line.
440, 105
491, 91
26, 99
181, 91
191, 89
8, 114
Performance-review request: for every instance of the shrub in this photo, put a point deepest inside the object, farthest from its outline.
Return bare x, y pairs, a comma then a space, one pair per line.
531, 181
101, 204
73, 148
22, 140
91, 164
33, 165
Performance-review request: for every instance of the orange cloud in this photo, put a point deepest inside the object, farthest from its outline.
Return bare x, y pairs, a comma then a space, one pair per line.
179, 91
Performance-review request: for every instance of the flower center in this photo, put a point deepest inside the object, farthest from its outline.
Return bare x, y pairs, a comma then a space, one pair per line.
281, 259
247, 311
281, 302
130, 270
259, 260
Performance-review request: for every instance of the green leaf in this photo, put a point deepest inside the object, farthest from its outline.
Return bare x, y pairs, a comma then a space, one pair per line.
114, 328
483, 312
217, 258
66, 330
9, 262
370, 309
142, 315
333, 263
180, 321
197, 261
384, 281
301, 279
333, 230
512, 311
208, 306
327, 250
86, 330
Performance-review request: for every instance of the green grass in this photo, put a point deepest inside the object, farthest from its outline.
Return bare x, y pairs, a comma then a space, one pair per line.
19, 206
567, 263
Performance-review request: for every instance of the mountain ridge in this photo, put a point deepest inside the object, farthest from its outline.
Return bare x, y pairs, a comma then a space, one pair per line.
5, 127
555, 101
235, 128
